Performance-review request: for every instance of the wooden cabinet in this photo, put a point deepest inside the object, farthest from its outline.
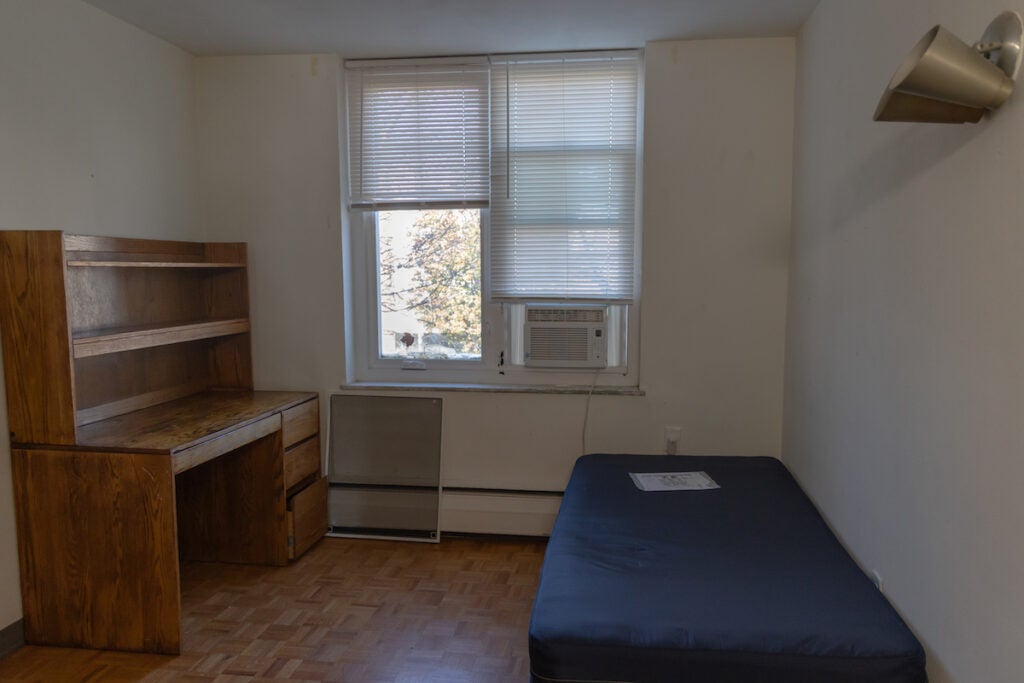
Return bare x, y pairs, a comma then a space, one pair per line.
300, 422
137, 438
301, 462
96, 327
303, 477
307, 515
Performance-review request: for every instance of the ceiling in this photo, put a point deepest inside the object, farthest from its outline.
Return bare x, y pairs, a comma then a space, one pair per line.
403, 28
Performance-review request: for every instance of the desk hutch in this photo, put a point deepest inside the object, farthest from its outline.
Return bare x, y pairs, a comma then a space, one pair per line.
136, 437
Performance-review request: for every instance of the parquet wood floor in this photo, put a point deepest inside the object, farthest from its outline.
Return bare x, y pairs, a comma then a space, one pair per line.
354, 611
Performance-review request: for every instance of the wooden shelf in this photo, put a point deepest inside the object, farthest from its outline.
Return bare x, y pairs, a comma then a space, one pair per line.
155, 264
146, 336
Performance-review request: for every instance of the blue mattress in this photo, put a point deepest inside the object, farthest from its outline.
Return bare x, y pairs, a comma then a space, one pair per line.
741, 584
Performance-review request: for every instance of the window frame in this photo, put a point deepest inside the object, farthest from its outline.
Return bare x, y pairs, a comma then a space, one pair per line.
495, 334
370, 365
493, 369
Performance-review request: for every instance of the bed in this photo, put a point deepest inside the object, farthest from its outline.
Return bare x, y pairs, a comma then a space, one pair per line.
744, 583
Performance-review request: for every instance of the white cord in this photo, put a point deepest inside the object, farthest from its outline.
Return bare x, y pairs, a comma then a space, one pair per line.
586, 415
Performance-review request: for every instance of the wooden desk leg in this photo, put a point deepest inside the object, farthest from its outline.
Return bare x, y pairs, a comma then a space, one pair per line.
97, 547
233, 508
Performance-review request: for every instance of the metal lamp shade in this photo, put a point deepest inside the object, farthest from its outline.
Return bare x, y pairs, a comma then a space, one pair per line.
943, 80
897, 106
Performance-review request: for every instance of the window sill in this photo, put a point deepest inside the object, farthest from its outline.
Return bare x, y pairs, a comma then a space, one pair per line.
494, 388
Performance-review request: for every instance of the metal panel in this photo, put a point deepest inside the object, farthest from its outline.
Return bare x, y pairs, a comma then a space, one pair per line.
384, 466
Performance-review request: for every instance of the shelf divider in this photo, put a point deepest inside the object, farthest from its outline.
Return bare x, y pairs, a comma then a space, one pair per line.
147, 336
155, 264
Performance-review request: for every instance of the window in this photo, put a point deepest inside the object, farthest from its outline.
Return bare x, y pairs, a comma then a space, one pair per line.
430, 303
479, 186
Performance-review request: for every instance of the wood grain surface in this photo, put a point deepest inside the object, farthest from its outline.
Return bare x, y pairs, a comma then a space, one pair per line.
125, 248
177, 425
350, 611
300, 422
133, 337
96, 541
233, 508
307, 517
36, 338
154, 264
231, 362
111, 298
236, 438
302, 461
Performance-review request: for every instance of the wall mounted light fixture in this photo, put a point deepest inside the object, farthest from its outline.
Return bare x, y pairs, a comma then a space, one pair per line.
944, 80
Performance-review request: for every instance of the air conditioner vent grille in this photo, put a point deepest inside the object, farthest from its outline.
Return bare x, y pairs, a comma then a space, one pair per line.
565, 315
559, 344
565, 336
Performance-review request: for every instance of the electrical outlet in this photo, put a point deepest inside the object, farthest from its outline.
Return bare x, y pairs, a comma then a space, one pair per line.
672, 440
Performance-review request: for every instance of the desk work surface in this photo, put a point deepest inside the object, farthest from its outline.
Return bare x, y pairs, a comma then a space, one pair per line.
180, 424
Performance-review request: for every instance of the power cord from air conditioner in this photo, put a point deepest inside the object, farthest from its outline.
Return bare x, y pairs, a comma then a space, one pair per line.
586, 414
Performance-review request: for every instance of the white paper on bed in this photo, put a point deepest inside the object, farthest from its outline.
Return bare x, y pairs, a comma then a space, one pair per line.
673, 481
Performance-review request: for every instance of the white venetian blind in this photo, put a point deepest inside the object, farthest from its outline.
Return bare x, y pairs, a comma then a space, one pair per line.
418, 135
563, 177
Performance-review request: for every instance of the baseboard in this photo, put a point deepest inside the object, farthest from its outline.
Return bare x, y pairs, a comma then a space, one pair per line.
12, 637
506, 513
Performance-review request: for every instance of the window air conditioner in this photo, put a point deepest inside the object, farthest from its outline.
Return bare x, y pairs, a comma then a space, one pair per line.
558, 336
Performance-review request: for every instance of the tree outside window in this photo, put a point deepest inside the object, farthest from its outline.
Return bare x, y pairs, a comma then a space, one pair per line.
430, 284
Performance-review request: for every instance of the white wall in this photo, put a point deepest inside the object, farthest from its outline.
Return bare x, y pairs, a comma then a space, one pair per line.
905, 370
269, 175
719, 129
96, 137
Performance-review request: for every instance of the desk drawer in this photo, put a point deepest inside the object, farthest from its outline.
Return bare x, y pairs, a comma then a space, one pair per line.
300, 422
307, 517
301, 461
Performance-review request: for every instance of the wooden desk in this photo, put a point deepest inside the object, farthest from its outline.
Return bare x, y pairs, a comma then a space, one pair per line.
136, 436
102, 523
